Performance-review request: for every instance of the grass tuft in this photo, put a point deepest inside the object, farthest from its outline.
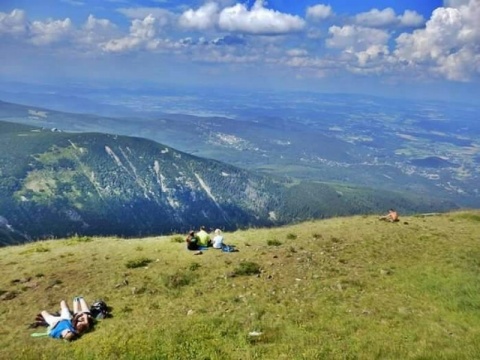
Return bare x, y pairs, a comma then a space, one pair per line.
78, 240
136, 263
194, 266
247, 268
273, 242
177, 280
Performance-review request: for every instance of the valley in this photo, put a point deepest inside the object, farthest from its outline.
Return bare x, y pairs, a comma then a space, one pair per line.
311, 155
353, 139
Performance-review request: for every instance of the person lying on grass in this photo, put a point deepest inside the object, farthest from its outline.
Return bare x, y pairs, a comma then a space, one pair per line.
61, 327
82, 318
68, 327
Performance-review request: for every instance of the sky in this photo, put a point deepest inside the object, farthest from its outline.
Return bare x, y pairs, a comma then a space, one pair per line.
417, 48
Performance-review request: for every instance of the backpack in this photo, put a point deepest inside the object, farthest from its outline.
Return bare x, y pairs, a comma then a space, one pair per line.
228, 248
100, 310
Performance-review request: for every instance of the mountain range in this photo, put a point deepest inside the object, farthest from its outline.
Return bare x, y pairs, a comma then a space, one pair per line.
429, 148
55, 183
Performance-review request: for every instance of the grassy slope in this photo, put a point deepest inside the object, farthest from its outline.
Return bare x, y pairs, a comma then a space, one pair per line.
341, 288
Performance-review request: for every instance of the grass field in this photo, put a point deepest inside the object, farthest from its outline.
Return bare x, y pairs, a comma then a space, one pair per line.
343, 288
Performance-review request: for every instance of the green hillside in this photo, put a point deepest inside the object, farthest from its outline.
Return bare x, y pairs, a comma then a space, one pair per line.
341, 288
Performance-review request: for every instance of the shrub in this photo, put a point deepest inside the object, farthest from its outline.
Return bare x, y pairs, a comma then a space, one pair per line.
41, 249
194, 266
38, 248
247, 268
79, 239
273, 242
177, 280
136, 263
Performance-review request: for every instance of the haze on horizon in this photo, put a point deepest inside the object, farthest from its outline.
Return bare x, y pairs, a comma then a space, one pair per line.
424, 49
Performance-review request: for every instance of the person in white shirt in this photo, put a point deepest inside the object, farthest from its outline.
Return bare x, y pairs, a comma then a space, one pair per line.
218, 239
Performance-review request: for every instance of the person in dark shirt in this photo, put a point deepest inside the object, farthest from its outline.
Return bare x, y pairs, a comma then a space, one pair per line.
192, 241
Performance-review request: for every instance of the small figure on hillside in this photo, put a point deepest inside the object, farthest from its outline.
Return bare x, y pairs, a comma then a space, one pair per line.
61, 327
191, 240
203, 237
392, 216
218, 239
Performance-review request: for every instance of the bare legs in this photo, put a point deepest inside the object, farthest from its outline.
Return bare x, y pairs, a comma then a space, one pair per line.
80, 306
64, 314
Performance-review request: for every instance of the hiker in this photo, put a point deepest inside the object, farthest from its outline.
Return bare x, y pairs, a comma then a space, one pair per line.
218, 239
61, 327
82, 318
219, 244
192, 241
203, 238
392, 216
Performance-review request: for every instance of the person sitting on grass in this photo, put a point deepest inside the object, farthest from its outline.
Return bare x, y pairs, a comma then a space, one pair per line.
218, 239
203, 238
191, 240
392, 216
218, 243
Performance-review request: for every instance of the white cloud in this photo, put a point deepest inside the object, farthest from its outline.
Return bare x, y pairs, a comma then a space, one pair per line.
411, 19
204, 18
95, 31
142, 35
258, 20
94, 24
388, 18
14, 23
51, 31
354, 38
449, 45
376, 18
361, 47
297, 52
319, 12
144, 29
370, 55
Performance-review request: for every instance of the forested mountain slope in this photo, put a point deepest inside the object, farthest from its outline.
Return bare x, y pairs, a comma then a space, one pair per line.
54, 184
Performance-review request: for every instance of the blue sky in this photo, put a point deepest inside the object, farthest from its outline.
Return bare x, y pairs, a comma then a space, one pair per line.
408, 47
